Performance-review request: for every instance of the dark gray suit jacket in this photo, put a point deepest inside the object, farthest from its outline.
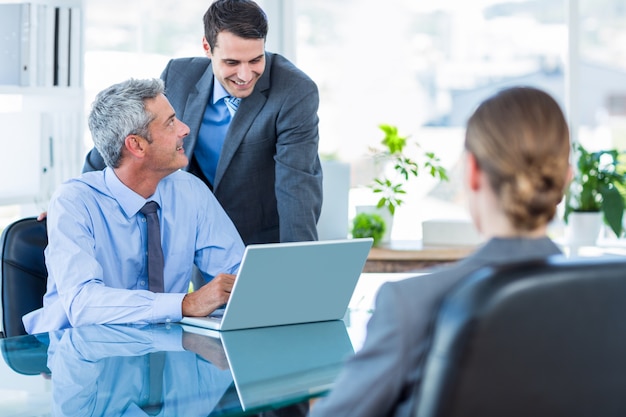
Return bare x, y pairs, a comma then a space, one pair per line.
380, 380
269, 177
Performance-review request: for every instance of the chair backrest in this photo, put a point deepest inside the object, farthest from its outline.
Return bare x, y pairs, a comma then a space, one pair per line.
543, 338
22, 271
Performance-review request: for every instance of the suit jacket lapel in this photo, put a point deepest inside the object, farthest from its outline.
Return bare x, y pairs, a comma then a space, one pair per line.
194, 108
248, 110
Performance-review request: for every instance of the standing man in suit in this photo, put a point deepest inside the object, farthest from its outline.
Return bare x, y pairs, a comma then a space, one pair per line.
261, 160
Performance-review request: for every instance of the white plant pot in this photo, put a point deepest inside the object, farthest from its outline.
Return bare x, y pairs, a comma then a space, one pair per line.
584, 228
386, 216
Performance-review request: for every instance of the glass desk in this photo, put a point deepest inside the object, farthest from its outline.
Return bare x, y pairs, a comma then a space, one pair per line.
171, 370
179, 370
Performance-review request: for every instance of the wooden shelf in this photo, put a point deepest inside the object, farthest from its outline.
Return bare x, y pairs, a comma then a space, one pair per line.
403, 256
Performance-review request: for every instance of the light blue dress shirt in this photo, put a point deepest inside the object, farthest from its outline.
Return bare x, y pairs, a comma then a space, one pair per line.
215, 123
97, 251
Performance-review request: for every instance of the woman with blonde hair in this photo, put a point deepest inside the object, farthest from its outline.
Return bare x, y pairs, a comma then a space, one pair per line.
516, 170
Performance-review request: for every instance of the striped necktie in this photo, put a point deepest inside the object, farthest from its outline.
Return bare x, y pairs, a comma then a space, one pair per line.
232, 103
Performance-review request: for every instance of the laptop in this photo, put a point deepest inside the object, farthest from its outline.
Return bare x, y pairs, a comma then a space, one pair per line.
284, 362
291, 283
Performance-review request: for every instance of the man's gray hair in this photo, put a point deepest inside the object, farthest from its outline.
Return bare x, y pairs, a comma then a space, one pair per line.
119, 111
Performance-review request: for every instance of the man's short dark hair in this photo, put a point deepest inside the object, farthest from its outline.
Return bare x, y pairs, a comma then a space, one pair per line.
243, 18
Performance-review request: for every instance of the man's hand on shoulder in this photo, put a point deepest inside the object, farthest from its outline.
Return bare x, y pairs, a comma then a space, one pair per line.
206, 299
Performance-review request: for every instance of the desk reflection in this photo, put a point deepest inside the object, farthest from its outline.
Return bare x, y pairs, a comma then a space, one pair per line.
284, 363
174, 370
133, 371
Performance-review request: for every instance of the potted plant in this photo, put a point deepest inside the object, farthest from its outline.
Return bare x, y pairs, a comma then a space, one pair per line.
368, 225
391, 190
597, 187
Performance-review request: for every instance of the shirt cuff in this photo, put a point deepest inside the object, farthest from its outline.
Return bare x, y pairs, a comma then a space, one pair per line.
169, 339
168, 307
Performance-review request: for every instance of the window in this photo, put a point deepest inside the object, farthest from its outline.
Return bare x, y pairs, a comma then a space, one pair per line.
422, 66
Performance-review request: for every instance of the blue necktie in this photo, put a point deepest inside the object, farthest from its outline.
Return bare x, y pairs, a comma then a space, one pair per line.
232, 103
155, 252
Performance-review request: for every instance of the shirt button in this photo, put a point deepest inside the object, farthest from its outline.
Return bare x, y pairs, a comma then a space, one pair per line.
143, 219
143, 283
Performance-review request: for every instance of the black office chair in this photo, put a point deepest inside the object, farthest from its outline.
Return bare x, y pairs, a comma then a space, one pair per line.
544, 338
22, 271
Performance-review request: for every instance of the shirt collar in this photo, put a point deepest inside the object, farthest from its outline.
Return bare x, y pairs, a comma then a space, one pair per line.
129, 201
219, 92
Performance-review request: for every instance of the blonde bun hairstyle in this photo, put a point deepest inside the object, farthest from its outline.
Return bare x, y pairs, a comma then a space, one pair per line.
520, 139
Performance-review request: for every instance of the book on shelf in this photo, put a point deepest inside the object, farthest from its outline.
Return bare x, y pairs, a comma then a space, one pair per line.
40, 45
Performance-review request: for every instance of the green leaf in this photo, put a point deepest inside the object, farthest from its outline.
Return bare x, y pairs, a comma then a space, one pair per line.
392, 140
613, 208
